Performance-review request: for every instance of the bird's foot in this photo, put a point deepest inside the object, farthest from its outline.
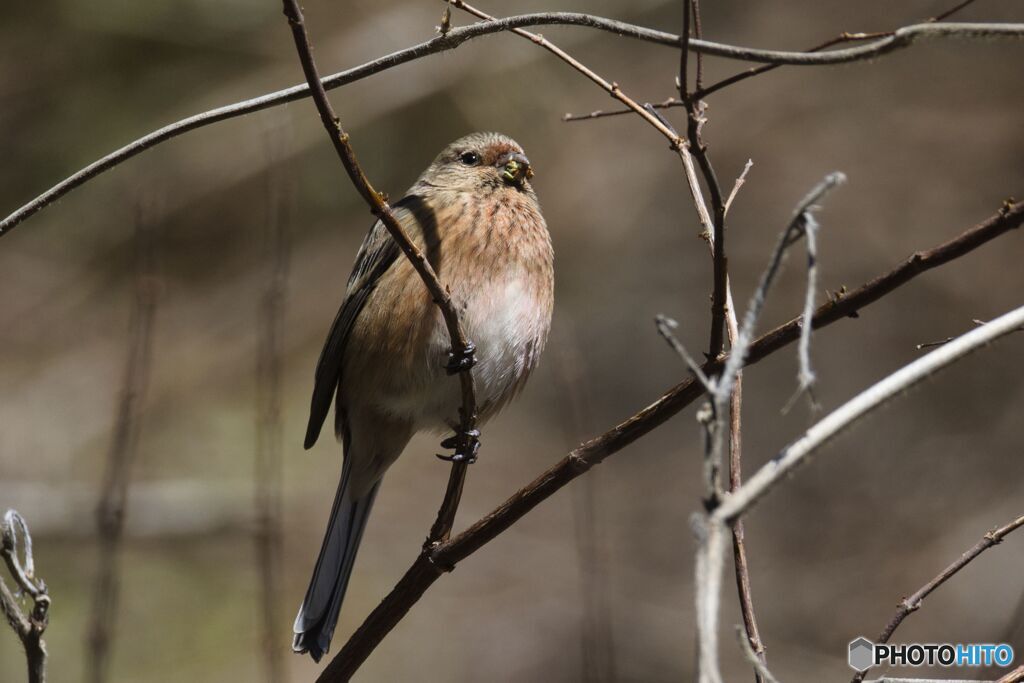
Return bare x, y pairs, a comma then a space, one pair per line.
463, 360
465, 445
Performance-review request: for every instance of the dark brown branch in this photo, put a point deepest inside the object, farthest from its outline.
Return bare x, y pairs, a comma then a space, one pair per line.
913, 603
739, 548
684, 54
113, 503
444, 556
461, 346
698, 33
29, 628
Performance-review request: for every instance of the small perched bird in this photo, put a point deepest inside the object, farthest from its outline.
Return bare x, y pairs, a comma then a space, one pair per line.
476, 217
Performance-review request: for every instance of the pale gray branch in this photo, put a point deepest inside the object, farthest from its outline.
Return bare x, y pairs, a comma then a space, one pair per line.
801, 450
902, 38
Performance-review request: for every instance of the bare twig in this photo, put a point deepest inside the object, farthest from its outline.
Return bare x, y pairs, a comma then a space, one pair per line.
738, 184
269, 422
698, 33
901, 39
753, 658
928, 345
913, 603
666, 327
29, 628
113, 503
952, 10
444, 556
805, 376
795, 230
462, 348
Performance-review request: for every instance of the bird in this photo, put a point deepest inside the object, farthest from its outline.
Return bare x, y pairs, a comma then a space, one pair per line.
474, 214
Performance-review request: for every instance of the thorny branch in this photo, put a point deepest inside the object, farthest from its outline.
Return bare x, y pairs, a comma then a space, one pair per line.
462, 348
446, 555
29, 628
900, 39
913, 603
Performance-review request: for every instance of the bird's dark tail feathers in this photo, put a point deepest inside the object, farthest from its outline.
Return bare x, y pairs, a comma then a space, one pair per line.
318, 614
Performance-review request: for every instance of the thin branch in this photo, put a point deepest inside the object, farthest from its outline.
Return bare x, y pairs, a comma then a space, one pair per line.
754, 659
738, 184
695, 123
684, 54
951, 11
903, 38
113, 503
29, 628
462, 348
805, 376
666, 327
741, 566
913, 603
698, 33
801, 450
928, 345
701, 93
444, 556
795, 230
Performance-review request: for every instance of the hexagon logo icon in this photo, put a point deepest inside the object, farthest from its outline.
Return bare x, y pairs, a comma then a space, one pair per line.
862, 654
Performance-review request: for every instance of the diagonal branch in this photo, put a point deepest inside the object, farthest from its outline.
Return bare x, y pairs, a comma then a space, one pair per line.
443, 557
801, 450
913, 603
379, 207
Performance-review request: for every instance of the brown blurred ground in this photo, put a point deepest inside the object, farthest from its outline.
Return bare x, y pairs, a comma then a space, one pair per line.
596, 583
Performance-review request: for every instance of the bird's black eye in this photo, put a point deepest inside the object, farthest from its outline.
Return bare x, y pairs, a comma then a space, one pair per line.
470, 158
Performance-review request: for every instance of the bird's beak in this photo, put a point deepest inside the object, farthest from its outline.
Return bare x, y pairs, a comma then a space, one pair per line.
514, 168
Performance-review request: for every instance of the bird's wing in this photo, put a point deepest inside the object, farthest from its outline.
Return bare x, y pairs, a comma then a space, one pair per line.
377, 254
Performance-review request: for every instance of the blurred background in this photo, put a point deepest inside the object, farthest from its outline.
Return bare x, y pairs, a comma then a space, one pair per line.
596, 584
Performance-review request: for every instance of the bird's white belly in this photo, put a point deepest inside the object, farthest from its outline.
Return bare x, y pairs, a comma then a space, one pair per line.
509, 326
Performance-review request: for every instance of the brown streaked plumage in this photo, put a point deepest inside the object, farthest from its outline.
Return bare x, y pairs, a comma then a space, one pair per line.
475, 215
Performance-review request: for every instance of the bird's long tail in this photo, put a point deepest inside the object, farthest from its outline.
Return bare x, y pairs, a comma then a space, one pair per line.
318, 614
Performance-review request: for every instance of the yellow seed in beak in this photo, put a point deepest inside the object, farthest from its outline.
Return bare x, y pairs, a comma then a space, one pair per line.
512, 171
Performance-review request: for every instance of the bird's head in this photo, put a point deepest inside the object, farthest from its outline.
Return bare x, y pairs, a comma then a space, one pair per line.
481, 161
